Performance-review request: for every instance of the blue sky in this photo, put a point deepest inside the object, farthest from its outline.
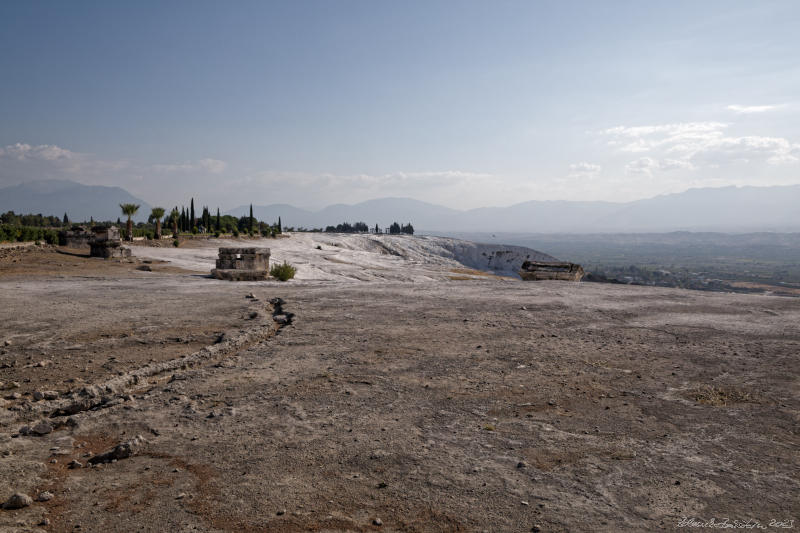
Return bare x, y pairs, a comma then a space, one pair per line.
460, 103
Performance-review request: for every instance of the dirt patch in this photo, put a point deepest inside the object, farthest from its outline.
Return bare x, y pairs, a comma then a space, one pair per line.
458, 406
61, 262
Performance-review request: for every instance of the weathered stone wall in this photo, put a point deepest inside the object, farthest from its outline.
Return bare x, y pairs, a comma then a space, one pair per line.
78, 237
242, 264
109, 249
106, 233
540, 271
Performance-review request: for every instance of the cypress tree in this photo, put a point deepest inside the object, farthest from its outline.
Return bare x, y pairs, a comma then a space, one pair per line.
66, 219
191, 215
280, 228
251, 218
218, 224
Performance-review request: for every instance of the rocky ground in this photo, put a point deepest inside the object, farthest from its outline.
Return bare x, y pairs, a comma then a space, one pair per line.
173, 402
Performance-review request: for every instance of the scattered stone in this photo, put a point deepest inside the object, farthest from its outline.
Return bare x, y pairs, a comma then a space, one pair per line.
377, 522
281, 319
522, 464
7, 342
180, 496
253, 314
74, 464
24, 430
42, 428
14, 396
250, 295
45, 395
281, 512
536, 529
44, 522
144, 268
523, 502
42, 364
45, 496
18, 501
120, 451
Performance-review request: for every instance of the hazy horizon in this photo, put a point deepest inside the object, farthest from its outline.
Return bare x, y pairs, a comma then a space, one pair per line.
460, 104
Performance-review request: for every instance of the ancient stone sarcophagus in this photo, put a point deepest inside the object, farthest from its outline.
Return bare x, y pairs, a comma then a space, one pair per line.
75, 237
242, 264
107, 244
538, 271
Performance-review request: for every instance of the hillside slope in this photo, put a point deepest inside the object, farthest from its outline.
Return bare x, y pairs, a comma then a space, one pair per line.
356, 257
80, 202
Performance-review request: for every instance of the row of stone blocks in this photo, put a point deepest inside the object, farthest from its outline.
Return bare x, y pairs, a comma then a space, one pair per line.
242, 264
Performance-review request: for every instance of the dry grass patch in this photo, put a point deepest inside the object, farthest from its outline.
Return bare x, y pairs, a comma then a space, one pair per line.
720, 396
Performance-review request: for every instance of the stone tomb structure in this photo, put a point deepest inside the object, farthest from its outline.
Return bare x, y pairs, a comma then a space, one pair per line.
107, 243
75, 237
538, 271
242, 264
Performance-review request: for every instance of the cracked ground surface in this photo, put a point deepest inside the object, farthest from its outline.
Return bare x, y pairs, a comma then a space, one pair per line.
463, 405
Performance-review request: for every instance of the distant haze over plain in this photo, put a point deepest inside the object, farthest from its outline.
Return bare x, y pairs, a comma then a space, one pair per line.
725, 209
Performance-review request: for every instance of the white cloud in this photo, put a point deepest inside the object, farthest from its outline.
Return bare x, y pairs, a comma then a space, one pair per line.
749, 109
647, 165
45, 152
693, 144
214, 166
584, 170
643, 165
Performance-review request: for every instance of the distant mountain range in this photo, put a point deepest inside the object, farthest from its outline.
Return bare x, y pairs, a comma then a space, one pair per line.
80, 202
725, 209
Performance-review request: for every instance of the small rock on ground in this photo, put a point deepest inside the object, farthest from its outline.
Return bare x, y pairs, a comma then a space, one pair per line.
18, 501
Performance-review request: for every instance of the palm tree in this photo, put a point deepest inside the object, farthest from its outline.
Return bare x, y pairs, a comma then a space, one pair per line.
174, 215
157, 213
130, 210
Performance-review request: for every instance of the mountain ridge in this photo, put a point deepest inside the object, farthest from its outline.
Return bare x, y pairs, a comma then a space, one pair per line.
729, 208
80, 202
721, 209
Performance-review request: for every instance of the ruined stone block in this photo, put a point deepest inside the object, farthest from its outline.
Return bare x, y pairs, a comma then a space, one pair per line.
539, 271
242, 264
109, 250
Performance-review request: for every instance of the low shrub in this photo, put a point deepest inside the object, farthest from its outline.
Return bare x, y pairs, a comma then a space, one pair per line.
176, 243
282, 272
